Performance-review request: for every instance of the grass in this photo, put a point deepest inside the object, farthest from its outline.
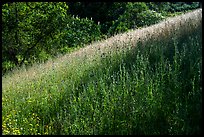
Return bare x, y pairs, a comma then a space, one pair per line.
142, 82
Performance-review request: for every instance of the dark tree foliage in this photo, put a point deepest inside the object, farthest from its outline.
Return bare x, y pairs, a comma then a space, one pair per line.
172, 6
36, 31
26, 27
136, 15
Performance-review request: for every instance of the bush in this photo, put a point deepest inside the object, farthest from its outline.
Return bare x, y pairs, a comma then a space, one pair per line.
172, 6
136, 15
183, 6
149, 17
79, 31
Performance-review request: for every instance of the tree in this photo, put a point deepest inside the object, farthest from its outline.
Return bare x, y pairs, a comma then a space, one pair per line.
27, 25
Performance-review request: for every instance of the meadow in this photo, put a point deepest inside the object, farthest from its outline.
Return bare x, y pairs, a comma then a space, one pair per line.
144, 82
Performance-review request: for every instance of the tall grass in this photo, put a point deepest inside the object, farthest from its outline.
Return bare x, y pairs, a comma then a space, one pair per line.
146, 81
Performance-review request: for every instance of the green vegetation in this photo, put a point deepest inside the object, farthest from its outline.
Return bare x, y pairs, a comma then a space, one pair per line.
27, 28
140, 16
37, 31
117, 86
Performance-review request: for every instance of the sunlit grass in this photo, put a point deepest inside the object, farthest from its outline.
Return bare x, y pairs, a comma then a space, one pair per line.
145, 81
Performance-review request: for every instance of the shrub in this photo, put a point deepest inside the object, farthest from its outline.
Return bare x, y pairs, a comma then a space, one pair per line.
172, 6
183, 6
148, 17
137, 15
79, 31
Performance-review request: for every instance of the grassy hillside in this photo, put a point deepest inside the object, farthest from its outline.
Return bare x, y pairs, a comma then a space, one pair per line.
146, 81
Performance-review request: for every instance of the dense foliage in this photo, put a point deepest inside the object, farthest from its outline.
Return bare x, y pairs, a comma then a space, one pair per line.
103, 12
137, 15
37, 31
79, 32
27, 27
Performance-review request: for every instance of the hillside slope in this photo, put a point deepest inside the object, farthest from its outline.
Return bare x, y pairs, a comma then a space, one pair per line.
176, 26
146, 81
